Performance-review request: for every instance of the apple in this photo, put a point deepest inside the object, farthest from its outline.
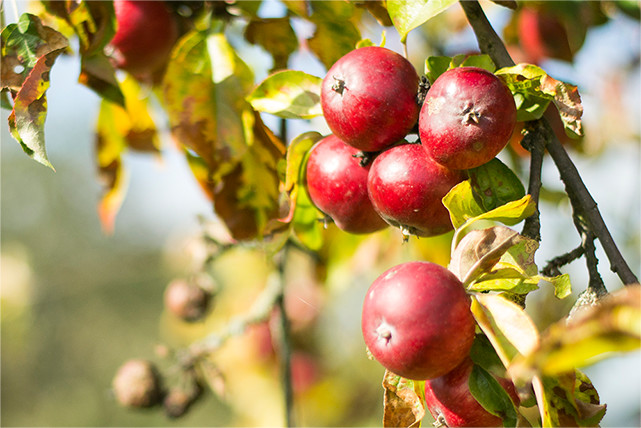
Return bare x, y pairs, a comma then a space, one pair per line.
407, 187
145, 34
449, 398
337, 185
416, 320
186, 300
368, 98
137, 384
467, 118
542, 35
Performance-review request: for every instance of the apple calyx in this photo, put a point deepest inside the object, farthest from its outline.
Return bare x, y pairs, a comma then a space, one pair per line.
384, 332
470, 115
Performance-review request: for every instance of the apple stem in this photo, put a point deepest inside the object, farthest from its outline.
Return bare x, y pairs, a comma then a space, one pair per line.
338, 86
365, 157
440, 421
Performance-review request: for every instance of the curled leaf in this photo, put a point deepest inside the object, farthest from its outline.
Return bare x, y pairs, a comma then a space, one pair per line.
594, 333
531, 83
29, 50
480, 250
403, 401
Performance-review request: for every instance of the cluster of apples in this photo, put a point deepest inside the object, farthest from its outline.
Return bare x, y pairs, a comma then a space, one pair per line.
416, 318
417, 323
365, 175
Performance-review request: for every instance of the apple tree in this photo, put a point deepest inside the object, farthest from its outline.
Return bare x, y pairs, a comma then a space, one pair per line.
428, 161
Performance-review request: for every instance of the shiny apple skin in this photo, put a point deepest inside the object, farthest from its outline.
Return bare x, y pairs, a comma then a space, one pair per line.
406, 188
416, 320
375, 105
467, 118
449, 396
145, 34
337, 185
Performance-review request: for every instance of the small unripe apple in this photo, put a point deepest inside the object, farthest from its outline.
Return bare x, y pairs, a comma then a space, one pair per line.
369, 98
186, 300
449, 397
145, 34
417, 321
337, 185
137, 384
406, 188
467, 118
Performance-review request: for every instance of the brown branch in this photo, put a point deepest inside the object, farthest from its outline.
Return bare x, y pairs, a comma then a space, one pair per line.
491, 44
534, 140
552, 267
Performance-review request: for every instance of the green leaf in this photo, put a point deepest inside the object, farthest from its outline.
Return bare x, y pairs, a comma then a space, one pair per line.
409, 14
461, 204
289, 94
613, 325
437, 65
205, 88
561, 400
508, 327
303, 215
534, 88
29, 50
491, 395
483, 354
465, 210
335, 33
276, 36
494, 184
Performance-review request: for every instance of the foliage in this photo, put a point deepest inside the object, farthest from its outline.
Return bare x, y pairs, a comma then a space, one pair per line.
255, 180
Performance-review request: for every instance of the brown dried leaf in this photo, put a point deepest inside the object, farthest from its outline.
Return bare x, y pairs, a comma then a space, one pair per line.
402, 406
480, 250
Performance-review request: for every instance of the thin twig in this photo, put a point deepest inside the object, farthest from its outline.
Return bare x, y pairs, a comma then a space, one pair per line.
284, 346
553, 266
491, 44
585, 203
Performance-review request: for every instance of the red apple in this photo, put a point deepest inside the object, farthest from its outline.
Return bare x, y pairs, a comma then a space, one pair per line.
542, 35
467, 118
145, 34
416, 320
369, 98
449, 397
406, 188
337, 185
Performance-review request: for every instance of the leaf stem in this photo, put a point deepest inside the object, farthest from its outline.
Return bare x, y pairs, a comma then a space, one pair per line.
491, 44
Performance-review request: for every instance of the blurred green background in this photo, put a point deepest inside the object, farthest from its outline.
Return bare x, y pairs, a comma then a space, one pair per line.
76, 303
